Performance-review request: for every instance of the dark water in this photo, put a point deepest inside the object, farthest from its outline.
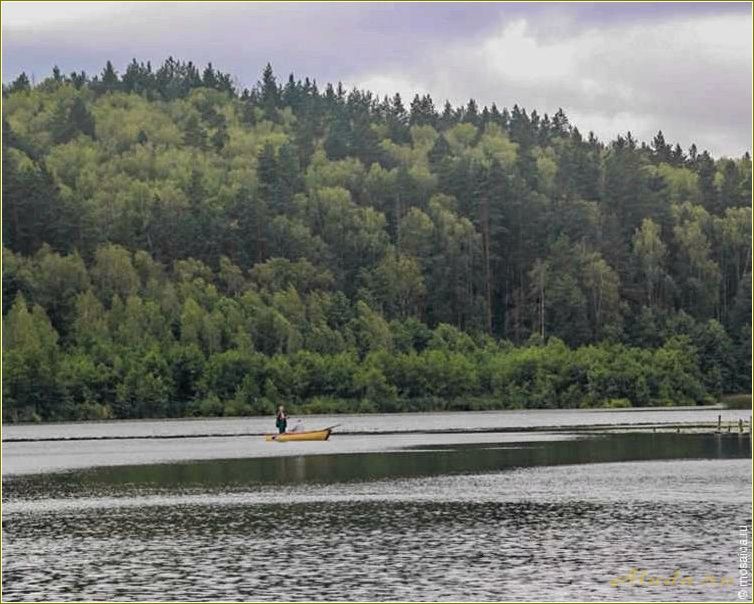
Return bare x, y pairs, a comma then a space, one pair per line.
522, 521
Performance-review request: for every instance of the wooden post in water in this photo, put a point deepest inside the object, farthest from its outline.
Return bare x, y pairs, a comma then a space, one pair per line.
740, 426
719, 422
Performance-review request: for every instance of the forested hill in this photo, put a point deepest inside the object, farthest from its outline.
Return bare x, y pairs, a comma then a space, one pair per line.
174, 245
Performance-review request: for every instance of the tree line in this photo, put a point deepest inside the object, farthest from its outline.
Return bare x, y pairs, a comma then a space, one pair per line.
175, 245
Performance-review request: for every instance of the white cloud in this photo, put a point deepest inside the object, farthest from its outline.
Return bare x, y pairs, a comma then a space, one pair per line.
690, 77
516, 56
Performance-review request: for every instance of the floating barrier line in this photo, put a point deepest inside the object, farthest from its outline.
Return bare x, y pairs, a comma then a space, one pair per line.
496, 430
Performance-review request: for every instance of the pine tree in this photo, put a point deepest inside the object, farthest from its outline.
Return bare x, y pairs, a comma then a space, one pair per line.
79, 80
220, 137
705, 168
471, 114
209, 79
20, 84
560, 123
68, 123
292, 93
677, 157
398, 120
336, 143
109, 81
661, 151
447, 118
267, 175
138, 78
81, 119
194, 134
439, 151
269, 93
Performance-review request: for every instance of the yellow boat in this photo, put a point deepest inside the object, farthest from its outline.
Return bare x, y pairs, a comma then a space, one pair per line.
310, 435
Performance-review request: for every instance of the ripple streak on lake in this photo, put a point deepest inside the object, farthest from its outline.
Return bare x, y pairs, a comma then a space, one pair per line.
515, 532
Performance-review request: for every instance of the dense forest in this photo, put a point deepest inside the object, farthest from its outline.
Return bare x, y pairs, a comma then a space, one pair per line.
174, 245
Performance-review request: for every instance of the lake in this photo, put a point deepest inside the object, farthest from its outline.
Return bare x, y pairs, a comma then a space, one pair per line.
516, 515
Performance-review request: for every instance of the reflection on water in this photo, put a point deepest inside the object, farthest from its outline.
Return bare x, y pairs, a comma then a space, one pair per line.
489, 522
452, 459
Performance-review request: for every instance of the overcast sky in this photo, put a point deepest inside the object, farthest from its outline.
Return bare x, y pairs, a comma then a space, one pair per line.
683, 68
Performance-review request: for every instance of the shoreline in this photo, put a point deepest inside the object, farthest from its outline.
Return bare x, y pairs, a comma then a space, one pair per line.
706, 427
720, 406
385, 423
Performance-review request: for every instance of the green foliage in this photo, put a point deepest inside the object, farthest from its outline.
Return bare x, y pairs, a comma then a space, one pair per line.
740, 401
617, 403
30, 363
176, 246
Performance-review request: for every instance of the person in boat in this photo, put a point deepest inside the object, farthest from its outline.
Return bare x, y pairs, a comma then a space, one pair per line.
281, 420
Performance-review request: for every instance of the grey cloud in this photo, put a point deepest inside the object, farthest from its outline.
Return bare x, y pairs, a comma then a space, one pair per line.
319, 40
692, 95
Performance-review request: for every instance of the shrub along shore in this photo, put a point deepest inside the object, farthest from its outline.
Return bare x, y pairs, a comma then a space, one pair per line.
134, 360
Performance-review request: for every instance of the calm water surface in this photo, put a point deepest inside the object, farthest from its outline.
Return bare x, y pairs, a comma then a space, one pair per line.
55, 447
525, 518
